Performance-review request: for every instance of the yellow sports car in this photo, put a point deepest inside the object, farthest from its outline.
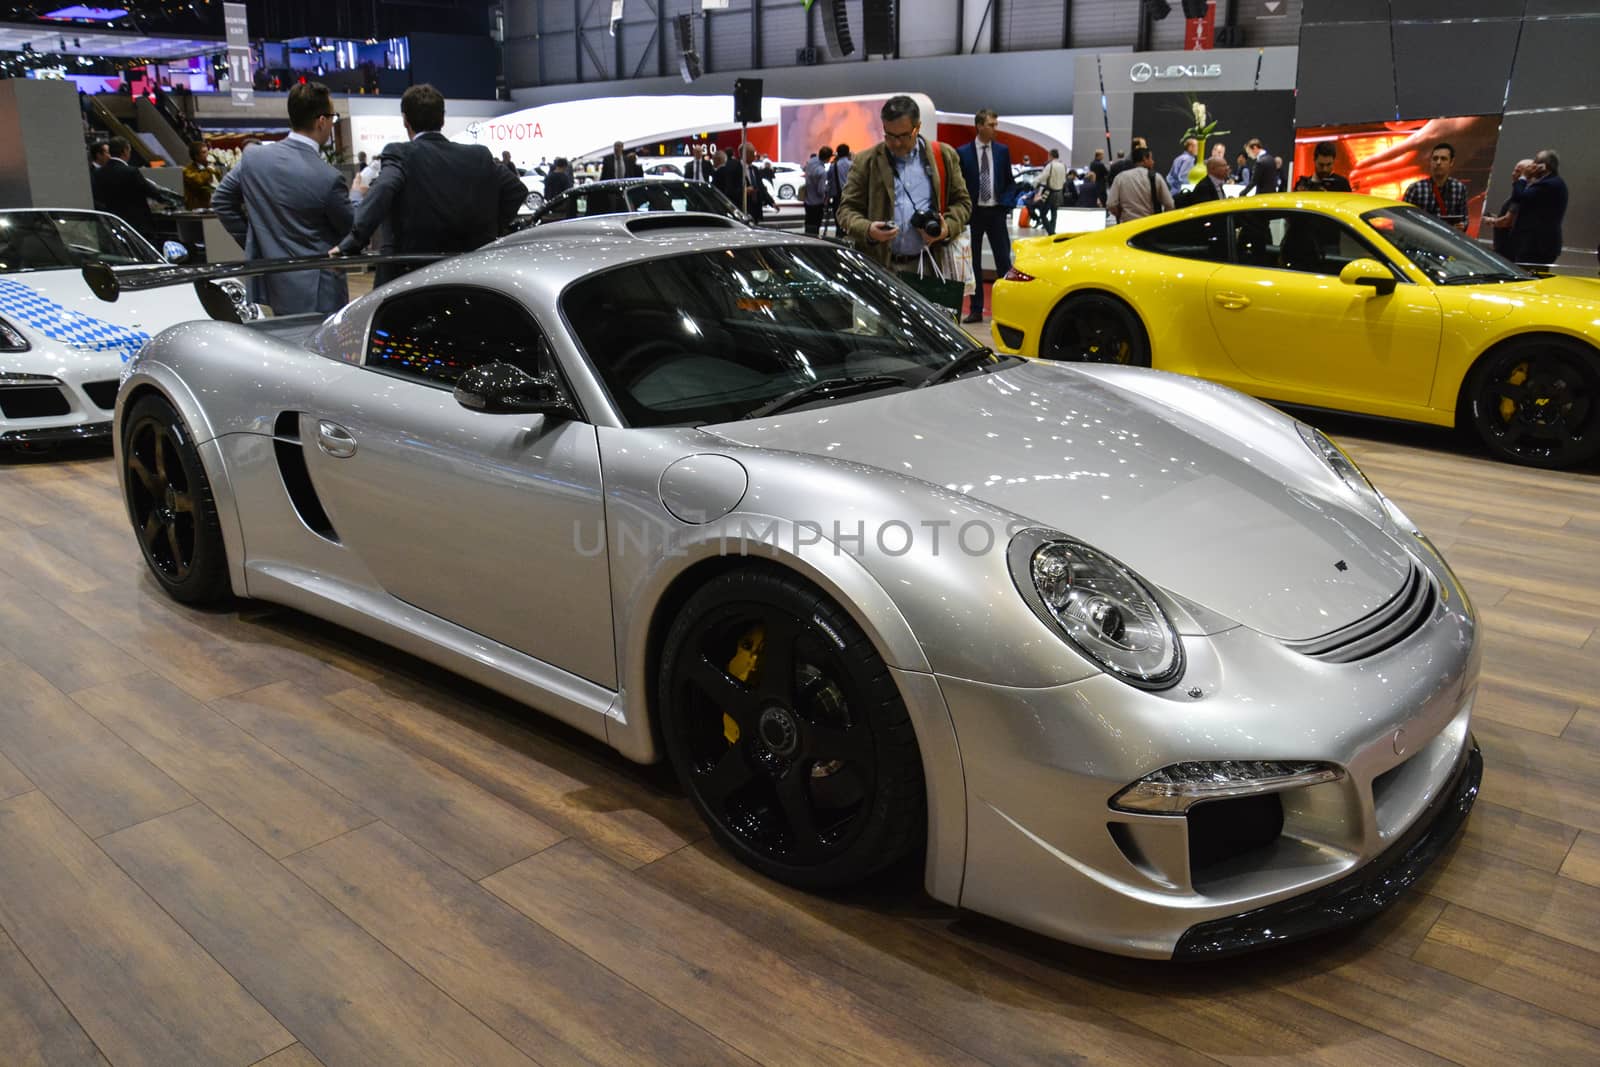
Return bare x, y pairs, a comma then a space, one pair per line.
1328, 300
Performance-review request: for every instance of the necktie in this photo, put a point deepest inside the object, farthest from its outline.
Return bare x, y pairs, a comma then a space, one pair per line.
985, 179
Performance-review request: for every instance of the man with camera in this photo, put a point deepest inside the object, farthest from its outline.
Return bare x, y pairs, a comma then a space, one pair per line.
905, 194
1324, 180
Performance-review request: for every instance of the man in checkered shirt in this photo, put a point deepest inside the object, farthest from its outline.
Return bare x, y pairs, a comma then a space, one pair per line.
1439, 194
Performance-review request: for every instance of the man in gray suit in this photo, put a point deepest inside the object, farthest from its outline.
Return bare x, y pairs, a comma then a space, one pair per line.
283, 199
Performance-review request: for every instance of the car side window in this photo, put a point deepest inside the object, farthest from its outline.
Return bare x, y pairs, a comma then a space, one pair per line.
1204, 238
603, 202
436, 334
1300, 241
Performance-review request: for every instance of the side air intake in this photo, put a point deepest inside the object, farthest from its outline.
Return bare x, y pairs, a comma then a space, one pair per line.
291, 456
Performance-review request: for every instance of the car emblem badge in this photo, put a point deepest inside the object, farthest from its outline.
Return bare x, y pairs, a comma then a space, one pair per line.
1341, 566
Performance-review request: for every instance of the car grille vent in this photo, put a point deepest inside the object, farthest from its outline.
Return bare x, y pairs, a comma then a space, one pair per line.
655, 222
286, 445
104, 394
33, 402
1398, 618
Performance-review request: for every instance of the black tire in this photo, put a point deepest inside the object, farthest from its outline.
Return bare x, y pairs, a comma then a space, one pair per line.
1536, 402
808, 768
1095, 328
170, 504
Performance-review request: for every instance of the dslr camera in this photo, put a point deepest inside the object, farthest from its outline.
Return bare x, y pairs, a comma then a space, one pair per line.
928, 222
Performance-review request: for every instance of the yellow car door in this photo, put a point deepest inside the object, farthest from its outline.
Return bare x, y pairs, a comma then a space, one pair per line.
1297, 333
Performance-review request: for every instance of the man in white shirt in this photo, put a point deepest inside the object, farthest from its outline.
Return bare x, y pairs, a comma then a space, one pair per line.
1053, 179
986, 167
1137, 192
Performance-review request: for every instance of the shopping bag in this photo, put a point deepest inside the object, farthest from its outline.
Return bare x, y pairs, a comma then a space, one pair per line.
1022, 218
934, 284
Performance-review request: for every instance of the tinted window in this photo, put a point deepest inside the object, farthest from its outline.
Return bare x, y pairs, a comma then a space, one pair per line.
710, 337
38, 240
1440, 251
1204, 238
1296, 240
437, 334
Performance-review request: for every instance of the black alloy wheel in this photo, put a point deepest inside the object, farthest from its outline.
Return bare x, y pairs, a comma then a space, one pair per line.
170, 503
788, 733
1095, 328
1537, 402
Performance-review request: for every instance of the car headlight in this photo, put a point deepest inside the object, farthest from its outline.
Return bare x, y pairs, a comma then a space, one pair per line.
248, 310
1174, 790
11, 339
1099, 605
1341, 464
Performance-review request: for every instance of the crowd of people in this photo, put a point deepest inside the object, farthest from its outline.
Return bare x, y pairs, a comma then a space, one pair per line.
901, 200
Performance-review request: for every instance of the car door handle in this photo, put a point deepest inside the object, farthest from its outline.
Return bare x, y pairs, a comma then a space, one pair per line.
1232, 301
335, 440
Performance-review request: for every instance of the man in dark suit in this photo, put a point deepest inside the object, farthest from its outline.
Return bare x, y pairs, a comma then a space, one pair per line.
986, 166
729, 178
124, 191
740, 181
432, 194
620, 164
283, 199
1541, 204
1211, 186
699, 168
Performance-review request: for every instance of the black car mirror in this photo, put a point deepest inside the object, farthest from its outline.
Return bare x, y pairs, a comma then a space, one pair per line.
500, 388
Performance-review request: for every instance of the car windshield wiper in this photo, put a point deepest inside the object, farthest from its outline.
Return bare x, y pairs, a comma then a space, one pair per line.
1485, 276
826, 388
972, 357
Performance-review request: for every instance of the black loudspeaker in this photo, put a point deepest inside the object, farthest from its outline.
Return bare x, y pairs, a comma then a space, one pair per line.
836, 28
1195, 9
688, 59
747, 100
877, 27
1157, 9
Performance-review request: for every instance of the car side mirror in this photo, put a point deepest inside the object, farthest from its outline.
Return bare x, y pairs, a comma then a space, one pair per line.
500, 388
174, 252
1371, 273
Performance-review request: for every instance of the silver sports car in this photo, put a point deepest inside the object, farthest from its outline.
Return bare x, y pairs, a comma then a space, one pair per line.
1131, 659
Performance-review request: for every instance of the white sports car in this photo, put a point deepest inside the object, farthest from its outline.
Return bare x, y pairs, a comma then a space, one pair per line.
62, 350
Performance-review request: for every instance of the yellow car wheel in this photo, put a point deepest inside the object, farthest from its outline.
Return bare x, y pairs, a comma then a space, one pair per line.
1536, 401
1095, 328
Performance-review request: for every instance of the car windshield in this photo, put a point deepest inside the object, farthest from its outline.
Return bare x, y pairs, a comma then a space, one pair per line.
60, 240
717, 336
1440, 251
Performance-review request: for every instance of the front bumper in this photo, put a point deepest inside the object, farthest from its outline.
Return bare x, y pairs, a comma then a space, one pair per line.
1357, 896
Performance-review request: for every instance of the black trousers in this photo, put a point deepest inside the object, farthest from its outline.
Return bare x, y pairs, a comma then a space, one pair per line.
993, 223
814, 218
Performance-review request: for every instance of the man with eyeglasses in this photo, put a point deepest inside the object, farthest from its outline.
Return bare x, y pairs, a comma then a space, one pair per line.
901, 182
284, 199
1440, 195
432, 194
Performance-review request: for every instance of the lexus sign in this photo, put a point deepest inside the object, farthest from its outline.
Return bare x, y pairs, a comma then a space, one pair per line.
1143, 72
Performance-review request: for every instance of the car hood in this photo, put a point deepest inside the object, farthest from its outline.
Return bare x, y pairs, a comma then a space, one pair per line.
149, 311
1579, 297
1202, 511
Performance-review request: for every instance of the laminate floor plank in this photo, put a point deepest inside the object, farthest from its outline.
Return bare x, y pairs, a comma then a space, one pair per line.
615, 816
967, 1000
270, 800
1495, 954
1582, 863
136, 982
296, 1055
12, 781
546, 997
57, 646
693, 963
36, 559
88, 771
1545, 903
36, 1030
345, 996
141, 622
457, 821
1511, 702
1546, 796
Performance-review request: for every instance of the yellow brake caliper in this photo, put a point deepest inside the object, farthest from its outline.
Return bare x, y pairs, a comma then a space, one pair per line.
743, 664
1508, 407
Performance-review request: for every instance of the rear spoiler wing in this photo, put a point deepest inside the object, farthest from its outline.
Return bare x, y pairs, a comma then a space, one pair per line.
108, 283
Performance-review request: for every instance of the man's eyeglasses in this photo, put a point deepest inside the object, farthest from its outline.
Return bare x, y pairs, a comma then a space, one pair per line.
331, 115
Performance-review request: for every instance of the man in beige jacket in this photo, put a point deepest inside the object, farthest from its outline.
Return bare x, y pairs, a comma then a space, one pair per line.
901, 189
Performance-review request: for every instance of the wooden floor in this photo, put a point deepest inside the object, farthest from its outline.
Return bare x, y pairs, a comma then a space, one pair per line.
246, 836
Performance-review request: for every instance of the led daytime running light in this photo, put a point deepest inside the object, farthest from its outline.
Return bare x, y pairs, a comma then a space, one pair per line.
1173, 790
